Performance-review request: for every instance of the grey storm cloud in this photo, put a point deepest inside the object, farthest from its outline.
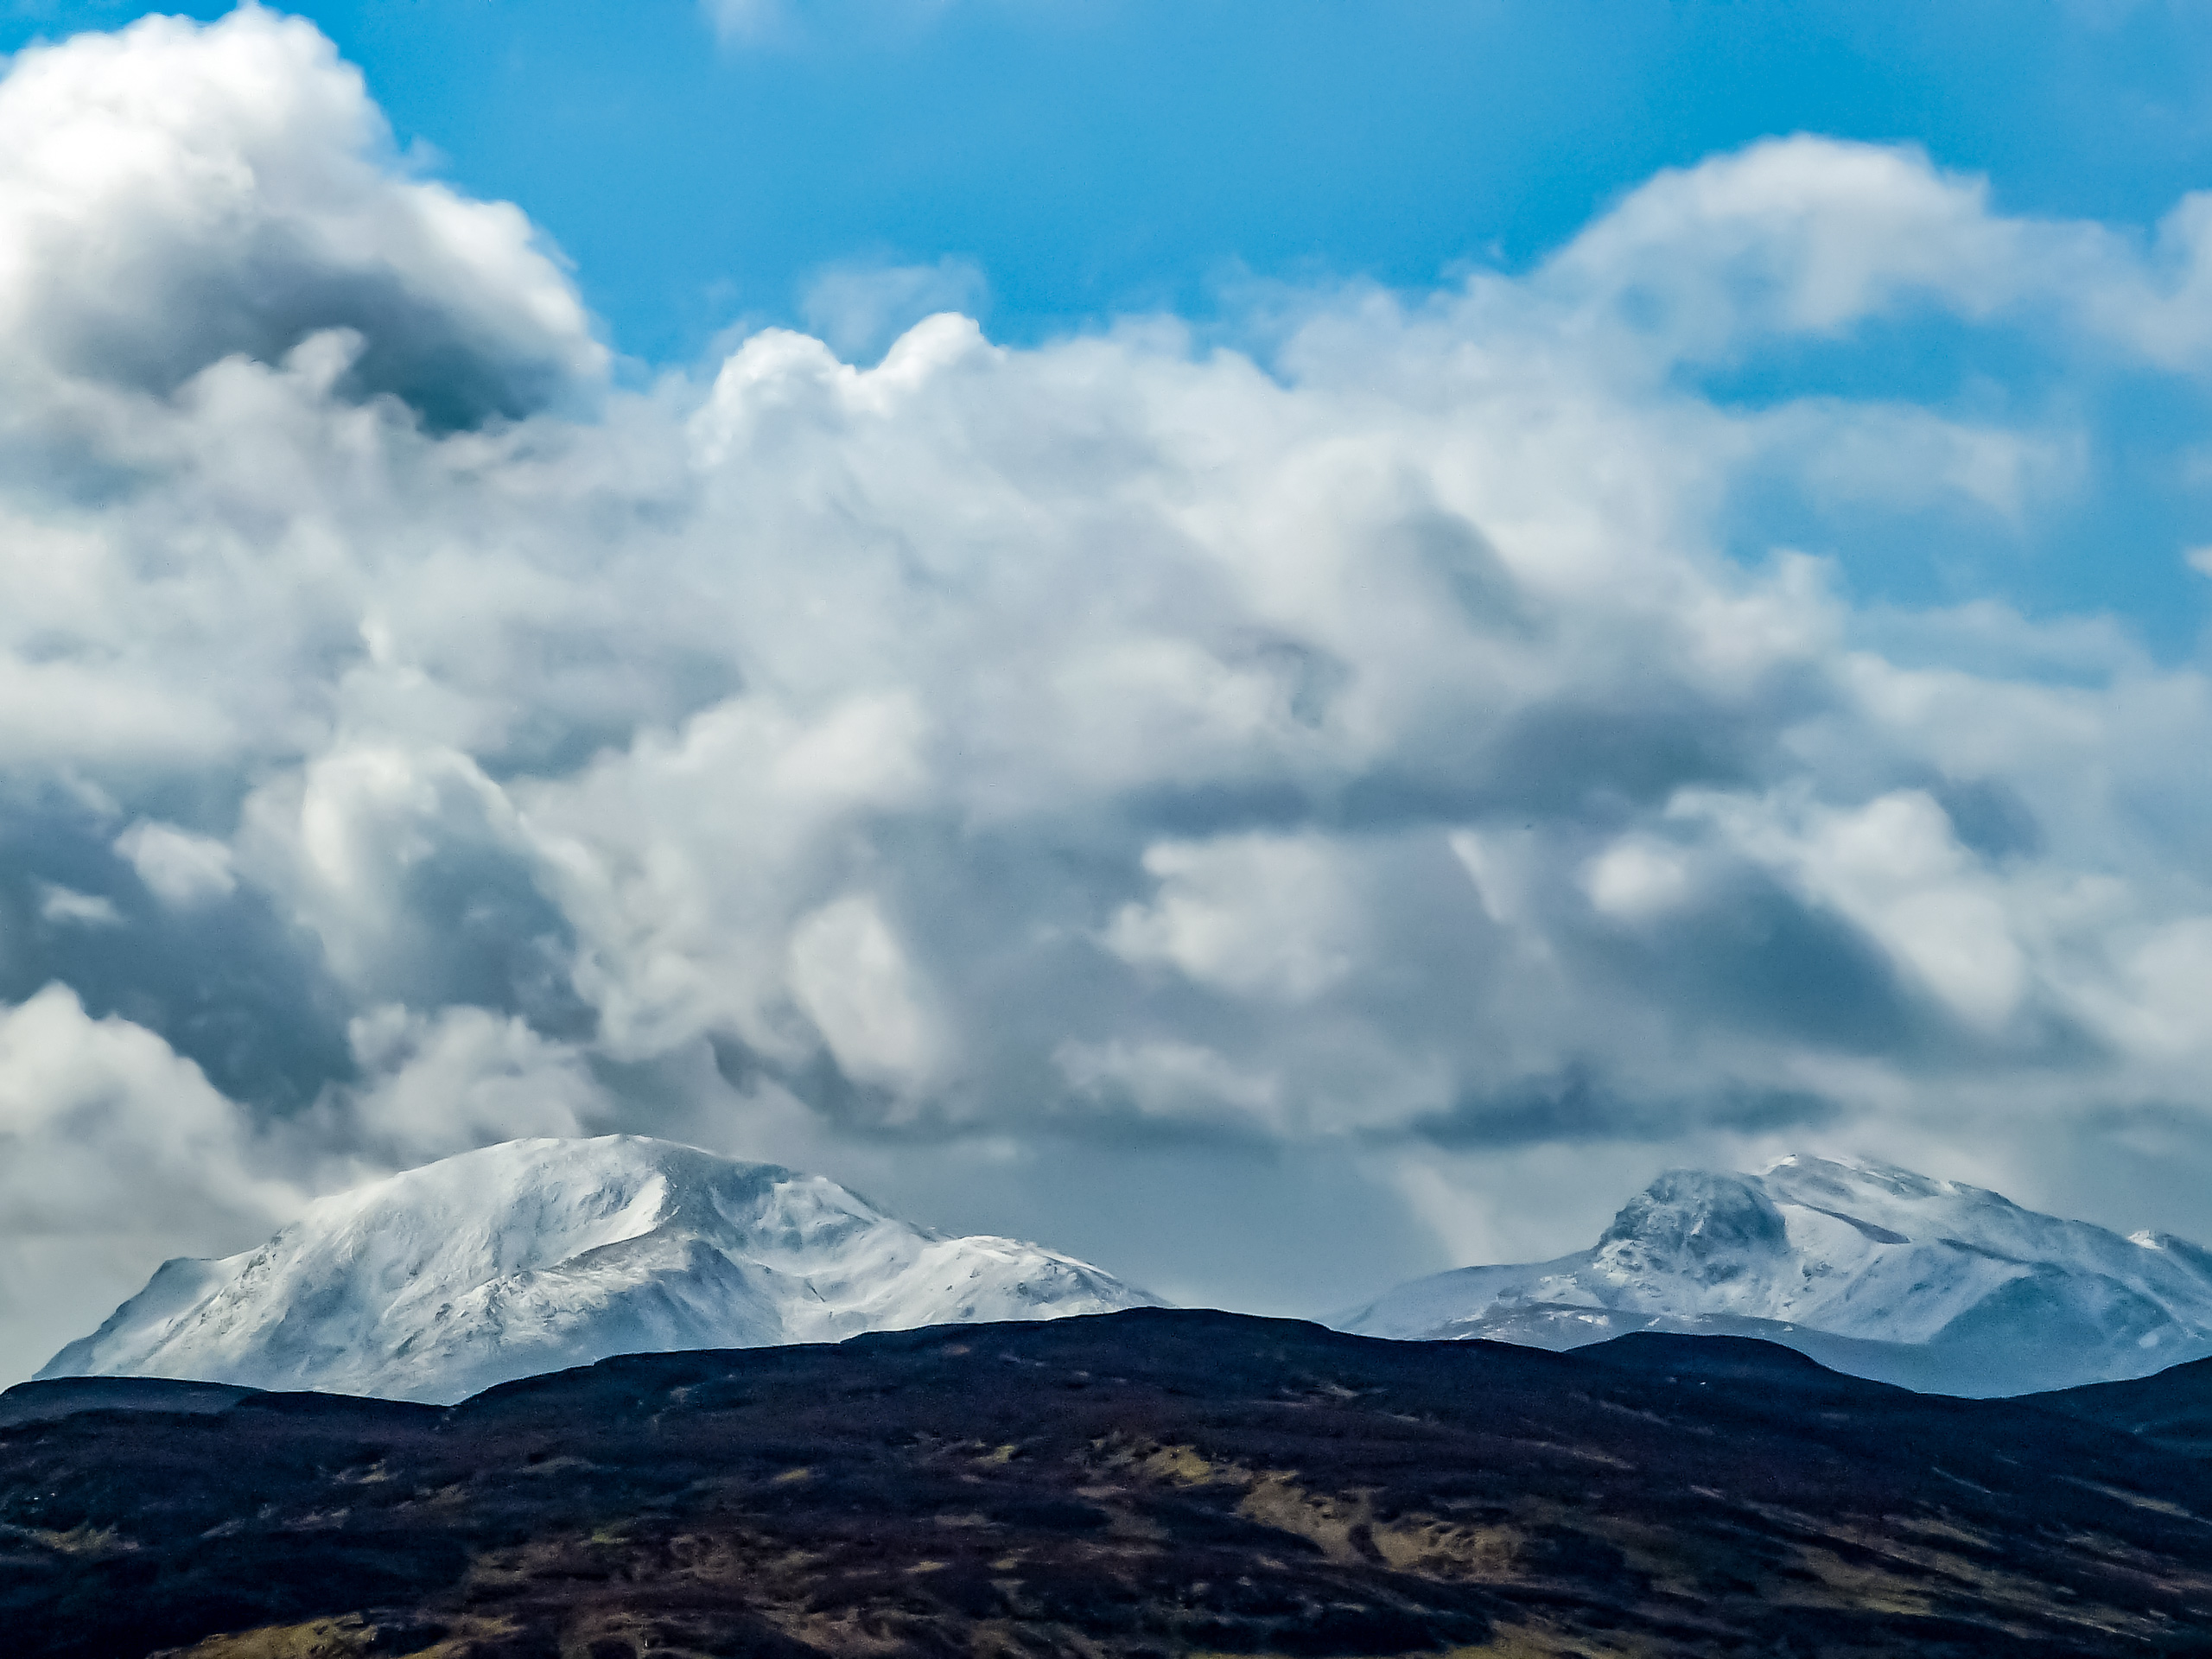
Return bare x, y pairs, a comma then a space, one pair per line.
1363, 763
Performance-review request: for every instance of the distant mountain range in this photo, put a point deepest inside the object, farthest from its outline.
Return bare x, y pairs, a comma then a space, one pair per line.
538, 1255
1868, 1269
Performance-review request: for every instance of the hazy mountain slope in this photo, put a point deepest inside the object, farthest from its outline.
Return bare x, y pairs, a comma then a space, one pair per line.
541, 1255
1867, 1268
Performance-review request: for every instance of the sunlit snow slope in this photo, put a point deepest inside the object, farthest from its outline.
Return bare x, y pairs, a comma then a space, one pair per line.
540, 1254
1867, 1269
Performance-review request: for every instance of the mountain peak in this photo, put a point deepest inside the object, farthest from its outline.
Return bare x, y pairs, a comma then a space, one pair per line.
1803, 1176
539, 1254
1706, 1223
1865, 1265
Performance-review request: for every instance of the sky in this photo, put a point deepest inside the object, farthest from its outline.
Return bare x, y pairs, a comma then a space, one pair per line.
1279, 647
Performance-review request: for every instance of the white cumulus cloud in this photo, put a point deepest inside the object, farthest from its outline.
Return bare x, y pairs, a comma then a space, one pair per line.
1383, 749
181, 868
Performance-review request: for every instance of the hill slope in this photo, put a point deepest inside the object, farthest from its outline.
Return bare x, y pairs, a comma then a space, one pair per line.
1147, 1483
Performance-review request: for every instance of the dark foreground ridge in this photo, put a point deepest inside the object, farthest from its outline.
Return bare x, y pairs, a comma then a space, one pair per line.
1147, 1483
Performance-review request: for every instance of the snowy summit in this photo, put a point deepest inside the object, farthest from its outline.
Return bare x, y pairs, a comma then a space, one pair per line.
1867, 1268
537, 1256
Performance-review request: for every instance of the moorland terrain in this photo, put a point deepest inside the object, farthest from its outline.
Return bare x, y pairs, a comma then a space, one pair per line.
1148, 1482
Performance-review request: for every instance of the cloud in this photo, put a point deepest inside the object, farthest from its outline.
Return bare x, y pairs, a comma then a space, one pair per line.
740, 23
859, 309
72, 909
1173, 1083
114, 1152
94, 1111
1380, 754
743, 20
1254, 916
1805, 237
435, 1084
851, 976
173, 195
1896, 868
1797, 236
179, 868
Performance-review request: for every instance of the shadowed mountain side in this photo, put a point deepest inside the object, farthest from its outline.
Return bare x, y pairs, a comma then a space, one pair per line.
34, 1402
2172, 1410
1144, 1483
1960, 1367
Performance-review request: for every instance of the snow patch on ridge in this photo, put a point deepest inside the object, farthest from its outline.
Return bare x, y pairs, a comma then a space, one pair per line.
1867, 1267
540, 1254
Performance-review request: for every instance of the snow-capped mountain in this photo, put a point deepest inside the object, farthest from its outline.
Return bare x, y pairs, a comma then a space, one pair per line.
1865, 1268
537, 1256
